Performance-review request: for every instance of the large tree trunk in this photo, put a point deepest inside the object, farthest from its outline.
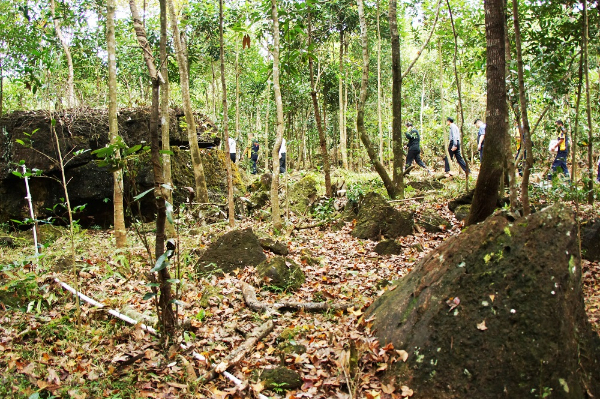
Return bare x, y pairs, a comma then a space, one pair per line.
398, 153
113, 125
322, 138
275, 212
167, 315
226, 122
360, 114
67, 50
590, 188
200, 180
525, 119
488, 181
343, 139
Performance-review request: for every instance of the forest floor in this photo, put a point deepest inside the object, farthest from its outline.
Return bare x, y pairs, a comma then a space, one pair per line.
45, 352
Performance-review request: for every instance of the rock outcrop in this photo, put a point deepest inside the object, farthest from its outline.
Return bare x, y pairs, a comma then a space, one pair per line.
233, 250
376, 218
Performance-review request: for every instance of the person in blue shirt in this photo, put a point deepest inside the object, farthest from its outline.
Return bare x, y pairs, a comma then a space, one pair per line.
480, 137
414, 148
562, 151
454, 147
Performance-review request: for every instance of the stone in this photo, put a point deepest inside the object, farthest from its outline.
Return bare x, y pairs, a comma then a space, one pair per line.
289, 348
303, 194
377, 218
276, 247
233, 250
432, 222
462, 212
590, 240
259, 199
282, 273
496, 311
281, 378
388, 247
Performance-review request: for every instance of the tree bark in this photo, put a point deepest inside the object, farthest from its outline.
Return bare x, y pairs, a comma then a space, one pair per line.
275, 212
200, 180
67, 50
443, 117
397, 152
360, 115
167, 316
226, 122
268, 105
576, 125
590, 187
486, 189
343, 139
322, 138
113, 125
379, 119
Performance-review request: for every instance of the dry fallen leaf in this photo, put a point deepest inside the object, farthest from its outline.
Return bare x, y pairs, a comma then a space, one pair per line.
492, 297
406, 391
481, 326
258, 387
388, 388
221, 367
403, 354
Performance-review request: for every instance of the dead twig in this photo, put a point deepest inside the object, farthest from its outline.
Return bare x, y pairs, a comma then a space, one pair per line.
250, 297
406, 199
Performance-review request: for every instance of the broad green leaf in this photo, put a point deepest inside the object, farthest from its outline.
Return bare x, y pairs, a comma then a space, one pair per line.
139, 196
149, 295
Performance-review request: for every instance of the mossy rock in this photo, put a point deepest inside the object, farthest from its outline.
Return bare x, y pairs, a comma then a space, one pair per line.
282, 273
462, 212
276, 247
289, 347
432, 222
259, 199
376, 218
208, 293
388, 247
281, 378
303, 194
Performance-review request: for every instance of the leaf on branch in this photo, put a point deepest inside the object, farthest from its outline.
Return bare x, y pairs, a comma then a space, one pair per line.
137, 197
162, 262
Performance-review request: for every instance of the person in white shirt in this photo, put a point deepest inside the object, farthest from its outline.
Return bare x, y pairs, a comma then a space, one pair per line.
282, 151
232, 149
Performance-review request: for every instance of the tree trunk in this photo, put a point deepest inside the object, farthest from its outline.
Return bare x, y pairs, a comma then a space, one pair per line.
1, 88
164, 107
343, 138
397, 152
200, 180
226, 122
67, 50
113, 125
167, 315
360, 114
379, 119
443, 117
237, 94
590, 187
322, 138
526, 143
576, 125
268, 91
486, 189
275, 212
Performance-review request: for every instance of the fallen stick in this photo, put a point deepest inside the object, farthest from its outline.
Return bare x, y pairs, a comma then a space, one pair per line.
406, 199
310, 226
240, 352
250, 297
151, 330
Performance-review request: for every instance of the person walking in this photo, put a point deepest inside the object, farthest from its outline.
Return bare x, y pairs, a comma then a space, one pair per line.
282, 151
480, 137
414, 148
562, 151
232, 149
254, 155
454, 147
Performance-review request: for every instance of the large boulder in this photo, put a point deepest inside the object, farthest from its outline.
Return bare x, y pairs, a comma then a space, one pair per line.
495, 312
282, 273
281, 378
377, 218
432, 222
303, 194
388, 247
233, 250
590, 240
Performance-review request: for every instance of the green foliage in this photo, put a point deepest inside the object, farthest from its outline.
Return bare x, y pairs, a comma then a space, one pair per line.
115, 156
324, 210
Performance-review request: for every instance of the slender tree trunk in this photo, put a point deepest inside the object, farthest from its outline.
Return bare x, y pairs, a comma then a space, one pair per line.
268, 91
343, 138
588, 104
526, 143
397, 152
1, 88
200, 180
275, 212
486, 189
379, 119
510, 165
422, 102
576, 125
237, 93
360, 114
322, 138
113, 125
67, 50
164, 104
167, 315
226, 122
214, 90
443, 117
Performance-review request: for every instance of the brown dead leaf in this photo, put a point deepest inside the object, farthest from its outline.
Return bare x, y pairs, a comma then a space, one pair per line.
388, 388
481, 326
53, 378
406, 391
403, 354
258, 387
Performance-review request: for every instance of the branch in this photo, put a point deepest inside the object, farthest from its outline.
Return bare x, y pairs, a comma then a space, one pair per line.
250, 297
437, 14
140, 34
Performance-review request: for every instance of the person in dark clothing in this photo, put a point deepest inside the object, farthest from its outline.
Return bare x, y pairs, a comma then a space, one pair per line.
254, 155
454, 147
562, 151
480, 137
414, 147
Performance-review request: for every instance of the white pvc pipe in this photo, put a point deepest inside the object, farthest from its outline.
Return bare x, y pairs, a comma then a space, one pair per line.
28, 198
